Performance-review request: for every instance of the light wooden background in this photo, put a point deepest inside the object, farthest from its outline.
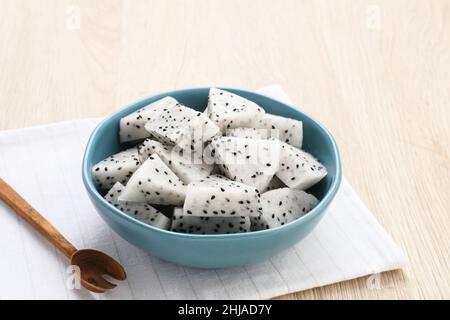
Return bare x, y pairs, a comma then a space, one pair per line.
376, 73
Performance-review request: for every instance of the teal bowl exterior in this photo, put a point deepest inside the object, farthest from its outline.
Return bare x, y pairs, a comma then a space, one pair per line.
214, 251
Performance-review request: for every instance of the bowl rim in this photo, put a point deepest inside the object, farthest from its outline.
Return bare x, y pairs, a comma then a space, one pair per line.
317, 210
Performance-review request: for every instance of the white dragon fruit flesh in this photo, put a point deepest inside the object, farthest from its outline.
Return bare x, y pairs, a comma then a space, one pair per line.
149, 147
140, 211
217, 196
247, 133
231, 169
208, 225
132, 127
282, 206
285, 129
229, 110
154, 183
116, 168
187, 167
299, 169
183, 127
250, 161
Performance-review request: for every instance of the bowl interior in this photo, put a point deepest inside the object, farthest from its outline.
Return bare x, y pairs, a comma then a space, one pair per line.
316, 139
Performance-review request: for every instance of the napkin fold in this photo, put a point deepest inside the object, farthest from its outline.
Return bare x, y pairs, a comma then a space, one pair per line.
44, 163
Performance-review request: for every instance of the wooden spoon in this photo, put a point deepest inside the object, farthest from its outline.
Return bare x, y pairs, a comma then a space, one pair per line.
93, 264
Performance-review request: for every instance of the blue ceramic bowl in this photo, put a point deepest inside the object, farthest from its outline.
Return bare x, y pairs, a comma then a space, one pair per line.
214, 251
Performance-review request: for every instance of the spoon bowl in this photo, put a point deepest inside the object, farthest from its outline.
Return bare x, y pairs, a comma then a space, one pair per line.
93, 265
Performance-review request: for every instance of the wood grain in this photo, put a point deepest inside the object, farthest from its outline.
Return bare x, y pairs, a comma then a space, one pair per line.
376, 73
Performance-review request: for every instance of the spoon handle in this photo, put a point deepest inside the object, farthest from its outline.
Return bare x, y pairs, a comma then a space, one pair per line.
27, 212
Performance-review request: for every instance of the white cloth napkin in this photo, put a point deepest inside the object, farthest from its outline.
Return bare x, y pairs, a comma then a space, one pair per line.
44, 165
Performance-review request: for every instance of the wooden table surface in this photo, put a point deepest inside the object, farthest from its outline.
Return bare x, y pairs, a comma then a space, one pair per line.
376, 73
